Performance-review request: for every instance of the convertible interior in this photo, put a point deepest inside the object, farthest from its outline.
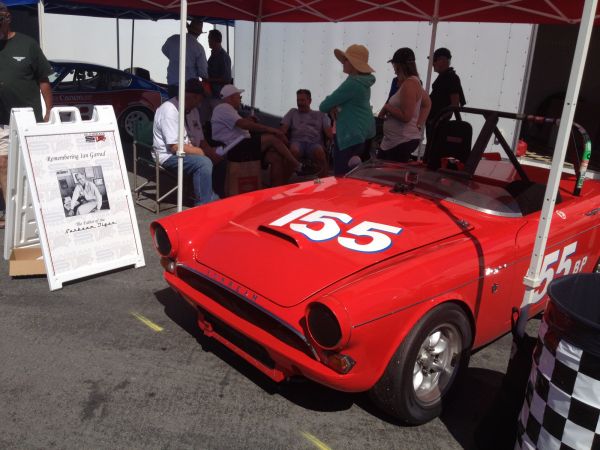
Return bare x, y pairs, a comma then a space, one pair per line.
455, 169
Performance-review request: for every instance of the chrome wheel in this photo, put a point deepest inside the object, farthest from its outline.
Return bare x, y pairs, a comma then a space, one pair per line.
134, 116
436, 362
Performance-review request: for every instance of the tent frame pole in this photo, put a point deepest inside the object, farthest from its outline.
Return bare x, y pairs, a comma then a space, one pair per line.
255, 51
434, 25
132, 41
532, 278
41, 22
181, 98
118, 46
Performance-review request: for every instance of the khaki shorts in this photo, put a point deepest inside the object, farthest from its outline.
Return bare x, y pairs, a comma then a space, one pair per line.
4, 133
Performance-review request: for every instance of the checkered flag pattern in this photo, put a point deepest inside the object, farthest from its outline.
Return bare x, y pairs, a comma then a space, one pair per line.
561, 410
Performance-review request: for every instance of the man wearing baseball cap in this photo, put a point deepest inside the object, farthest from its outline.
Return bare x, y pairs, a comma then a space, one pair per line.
24, 72
446, 90
196, 65
235, 133
199, 156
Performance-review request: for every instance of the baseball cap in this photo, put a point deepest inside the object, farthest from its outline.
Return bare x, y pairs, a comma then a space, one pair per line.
442, 51
3, 7
403, 55
194, 86
230, 89
196, 23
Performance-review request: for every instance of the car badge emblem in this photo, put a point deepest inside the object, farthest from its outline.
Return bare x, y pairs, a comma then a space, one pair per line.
99, 137
18, 58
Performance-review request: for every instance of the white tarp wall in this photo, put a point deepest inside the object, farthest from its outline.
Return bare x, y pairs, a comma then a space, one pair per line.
491, 60
94, 40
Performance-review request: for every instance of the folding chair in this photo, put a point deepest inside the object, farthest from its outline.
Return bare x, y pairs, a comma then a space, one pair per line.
144, 154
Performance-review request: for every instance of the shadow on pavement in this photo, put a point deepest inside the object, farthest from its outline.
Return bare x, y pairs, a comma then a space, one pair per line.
469, 403
300, 391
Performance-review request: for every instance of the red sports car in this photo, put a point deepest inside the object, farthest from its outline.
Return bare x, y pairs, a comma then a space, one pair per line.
381, 281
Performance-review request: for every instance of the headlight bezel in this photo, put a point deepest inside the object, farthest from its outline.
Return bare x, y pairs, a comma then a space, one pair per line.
326, 311
163, 241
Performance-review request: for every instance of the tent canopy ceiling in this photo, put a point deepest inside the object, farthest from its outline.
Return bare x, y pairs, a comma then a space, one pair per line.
109, 9
512, 11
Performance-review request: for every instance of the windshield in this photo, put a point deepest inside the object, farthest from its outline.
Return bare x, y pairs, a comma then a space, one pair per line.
55, 74
440, 184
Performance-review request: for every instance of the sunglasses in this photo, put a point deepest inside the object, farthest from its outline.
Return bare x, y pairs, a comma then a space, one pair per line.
4, 18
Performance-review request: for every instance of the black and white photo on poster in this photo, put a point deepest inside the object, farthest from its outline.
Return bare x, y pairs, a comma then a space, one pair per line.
82, 190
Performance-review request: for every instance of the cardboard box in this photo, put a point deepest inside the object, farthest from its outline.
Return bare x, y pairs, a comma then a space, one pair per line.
243, 177
26, 261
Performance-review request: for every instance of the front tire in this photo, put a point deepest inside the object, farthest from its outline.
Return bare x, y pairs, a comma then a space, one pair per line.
425, 366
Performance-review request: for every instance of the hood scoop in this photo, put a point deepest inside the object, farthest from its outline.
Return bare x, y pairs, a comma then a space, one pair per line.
279, 233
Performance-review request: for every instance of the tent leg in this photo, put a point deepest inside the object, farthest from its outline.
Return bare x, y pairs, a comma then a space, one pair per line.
181, 96
41, 20
132, 40
532, 278
255, 50
434, 24
118, 46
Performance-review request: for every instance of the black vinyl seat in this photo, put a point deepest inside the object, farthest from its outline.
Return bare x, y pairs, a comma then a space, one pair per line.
451, 138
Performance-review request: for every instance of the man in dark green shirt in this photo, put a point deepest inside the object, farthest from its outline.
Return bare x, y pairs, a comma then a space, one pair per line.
24, 72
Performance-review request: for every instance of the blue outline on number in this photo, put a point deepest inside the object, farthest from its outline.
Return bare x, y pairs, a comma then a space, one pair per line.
376, 251
323, 240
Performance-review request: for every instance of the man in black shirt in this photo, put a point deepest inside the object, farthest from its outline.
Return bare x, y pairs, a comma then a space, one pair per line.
446, 89
219, 63
24, 73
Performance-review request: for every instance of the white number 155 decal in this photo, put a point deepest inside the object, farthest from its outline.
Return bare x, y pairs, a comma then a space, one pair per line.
331, 229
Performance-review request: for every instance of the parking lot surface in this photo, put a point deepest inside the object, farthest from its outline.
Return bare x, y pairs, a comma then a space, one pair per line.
117, 361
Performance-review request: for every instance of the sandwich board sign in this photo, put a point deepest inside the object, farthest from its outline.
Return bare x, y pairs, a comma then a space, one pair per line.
68, 193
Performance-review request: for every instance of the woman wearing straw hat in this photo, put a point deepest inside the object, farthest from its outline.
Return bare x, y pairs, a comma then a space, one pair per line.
350, 107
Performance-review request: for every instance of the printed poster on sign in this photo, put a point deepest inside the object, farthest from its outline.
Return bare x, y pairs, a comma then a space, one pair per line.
83, 198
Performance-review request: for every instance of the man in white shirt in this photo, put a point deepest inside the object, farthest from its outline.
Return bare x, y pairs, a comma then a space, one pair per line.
198, 161
234, 131
196, 65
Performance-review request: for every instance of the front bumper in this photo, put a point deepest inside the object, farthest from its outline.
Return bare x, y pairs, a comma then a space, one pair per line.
277, 355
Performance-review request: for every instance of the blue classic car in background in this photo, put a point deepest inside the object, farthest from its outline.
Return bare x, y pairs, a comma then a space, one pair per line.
134, 97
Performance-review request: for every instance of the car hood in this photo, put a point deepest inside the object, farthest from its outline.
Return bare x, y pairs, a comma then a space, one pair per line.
286, 267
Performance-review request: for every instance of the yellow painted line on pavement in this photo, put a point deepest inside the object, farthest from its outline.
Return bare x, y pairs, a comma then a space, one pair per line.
315, 441
147, 322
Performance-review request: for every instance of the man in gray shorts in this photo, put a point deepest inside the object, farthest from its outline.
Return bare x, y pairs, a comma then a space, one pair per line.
307, 129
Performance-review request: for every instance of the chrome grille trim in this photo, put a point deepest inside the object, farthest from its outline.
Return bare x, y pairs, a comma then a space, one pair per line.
308, 348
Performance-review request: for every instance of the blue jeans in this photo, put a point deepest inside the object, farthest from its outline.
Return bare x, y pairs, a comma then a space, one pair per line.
342, 157
199, 167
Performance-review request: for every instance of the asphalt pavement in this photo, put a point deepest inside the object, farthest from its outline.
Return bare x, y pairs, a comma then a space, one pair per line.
116, 361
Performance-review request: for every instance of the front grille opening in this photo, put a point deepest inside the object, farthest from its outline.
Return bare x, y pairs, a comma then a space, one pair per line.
254, 349
244, 309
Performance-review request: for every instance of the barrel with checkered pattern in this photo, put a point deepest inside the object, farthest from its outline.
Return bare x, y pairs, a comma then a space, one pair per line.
561, 410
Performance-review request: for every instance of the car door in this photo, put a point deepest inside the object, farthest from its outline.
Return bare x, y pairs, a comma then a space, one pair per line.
572, 246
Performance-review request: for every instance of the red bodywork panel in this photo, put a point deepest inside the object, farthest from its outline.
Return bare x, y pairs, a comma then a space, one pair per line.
121, 100
424, 251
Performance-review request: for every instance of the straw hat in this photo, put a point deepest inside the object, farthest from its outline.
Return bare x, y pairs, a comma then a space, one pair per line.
358, 55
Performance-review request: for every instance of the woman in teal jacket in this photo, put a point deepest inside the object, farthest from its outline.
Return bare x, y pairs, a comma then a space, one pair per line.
350, 107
